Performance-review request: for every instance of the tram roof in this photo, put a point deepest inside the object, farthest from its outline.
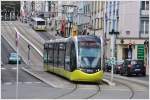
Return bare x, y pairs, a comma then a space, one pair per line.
58, 40
37, 19
80, 38
88, 38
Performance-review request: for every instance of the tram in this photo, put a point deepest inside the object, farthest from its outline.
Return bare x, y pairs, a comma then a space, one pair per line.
77, 58
38, 23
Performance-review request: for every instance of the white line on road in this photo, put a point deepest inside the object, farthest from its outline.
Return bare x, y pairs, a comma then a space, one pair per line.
8, 83
2, 68
28, 82
38, 82
14, 68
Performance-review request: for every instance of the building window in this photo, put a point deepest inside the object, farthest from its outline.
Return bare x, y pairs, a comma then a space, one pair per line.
110, 7
147, 27
98, 6
145, 5
109, 26
98, 24
144, 27
95, 6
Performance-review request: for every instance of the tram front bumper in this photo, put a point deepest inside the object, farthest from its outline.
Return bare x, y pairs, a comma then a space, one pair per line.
78, 75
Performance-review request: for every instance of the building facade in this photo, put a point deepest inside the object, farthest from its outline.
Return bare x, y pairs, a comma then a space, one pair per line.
131, 20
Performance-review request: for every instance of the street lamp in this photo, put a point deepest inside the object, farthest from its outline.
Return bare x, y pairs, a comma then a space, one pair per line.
113, 33
70, 20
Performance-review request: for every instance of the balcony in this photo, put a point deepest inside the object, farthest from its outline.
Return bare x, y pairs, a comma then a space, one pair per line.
144, 13
142, 35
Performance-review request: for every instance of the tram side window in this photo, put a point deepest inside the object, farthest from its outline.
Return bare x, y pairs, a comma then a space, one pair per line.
50, 54
67, 57
61, 54
45, 58
55, 54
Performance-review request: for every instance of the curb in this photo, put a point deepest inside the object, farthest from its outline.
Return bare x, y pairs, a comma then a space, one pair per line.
131, 80
108, 82
40, 78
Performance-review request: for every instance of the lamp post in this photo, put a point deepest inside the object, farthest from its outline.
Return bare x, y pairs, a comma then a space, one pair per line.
146, 43
29, 54
113, 33
70, 20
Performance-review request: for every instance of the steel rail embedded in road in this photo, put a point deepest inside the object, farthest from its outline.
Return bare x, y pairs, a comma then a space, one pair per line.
97, 92
70, 92
131, 89
128, 86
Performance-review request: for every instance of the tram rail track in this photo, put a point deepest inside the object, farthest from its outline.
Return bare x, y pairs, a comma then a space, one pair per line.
130, 88
70, 92
97, 92
122, 82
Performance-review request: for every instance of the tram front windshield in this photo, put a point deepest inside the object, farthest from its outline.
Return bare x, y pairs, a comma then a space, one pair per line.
89, 54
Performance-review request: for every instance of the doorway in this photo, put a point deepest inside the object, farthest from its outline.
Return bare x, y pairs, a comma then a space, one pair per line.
127, 53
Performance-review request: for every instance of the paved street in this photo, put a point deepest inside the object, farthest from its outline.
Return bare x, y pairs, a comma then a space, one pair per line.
29, 85
74, 49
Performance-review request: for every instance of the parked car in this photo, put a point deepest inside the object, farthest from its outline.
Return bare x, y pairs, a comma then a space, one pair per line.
133, 67
107, 66
13, 58
118, 66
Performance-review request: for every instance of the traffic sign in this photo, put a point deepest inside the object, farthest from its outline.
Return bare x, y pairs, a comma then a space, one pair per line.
112, 60
140, 52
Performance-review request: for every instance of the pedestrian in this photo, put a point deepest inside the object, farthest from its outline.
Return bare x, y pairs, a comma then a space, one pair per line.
57, 32
84, 32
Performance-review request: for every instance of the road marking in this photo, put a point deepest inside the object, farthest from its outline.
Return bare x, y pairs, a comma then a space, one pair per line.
38, 82
14, 68
27, 82
8, 83
2, 68
31, 82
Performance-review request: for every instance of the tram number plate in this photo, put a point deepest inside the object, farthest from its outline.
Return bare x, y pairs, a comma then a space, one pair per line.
137, 69
89, 70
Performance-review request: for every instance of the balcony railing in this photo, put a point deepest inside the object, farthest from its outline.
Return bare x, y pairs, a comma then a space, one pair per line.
142, 35
145, 13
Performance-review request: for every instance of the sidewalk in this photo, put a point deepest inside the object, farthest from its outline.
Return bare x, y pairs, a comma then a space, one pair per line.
49, 78
132, 79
